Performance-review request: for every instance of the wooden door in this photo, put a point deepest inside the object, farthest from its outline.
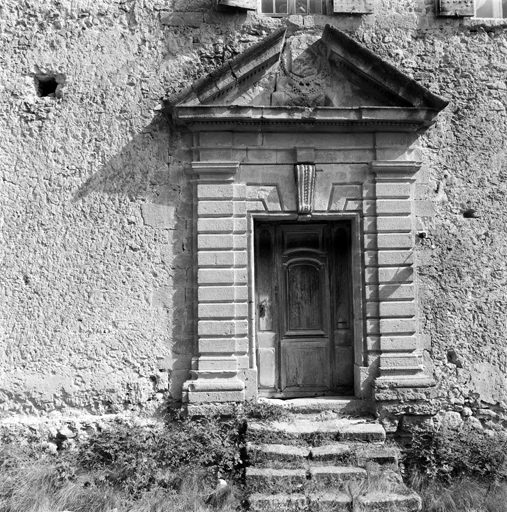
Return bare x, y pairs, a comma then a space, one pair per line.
304, 333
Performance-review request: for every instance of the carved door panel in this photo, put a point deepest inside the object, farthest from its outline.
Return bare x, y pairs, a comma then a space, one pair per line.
303, 309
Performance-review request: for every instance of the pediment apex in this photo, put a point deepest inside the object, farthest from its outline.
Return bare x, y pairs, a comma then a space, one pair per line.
300, 70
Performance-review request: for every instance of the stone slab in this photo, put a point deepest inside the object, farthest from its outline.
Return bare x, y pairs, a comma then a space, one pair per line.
342, 429
279, 451
390, 502
337, 474
330, 451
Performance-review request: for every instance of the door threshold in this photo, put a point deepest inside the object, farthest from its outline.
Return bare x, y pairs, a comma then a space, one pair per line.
346, 405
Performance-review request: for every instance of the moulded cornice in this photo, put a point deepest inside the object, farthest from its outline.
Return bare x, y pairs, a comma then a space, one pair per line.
360, 118
405, 105
395, 166
213, 168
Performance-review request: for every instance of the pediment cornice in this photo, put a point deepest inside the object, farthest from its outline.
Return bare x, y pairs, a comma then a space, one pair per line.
215, 102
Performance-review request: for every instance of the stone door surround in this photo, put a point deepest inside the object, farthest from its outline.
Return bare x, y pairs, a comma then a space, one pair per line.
266, 143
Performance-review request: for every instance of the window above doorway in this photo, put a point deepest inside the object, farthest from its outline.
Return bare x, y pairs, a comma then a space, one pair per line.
491, 8
285, 7
279, 8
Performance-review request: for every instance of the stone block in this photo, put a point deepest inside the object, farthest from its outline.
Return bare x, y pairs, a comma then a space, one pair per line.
224, 258
247, 138
216, 154
242, 344
256, 155
371, 275
398, 343
215, 139
372, 309
399, 360
212, 191
395, 258
285, 156
221, 363
222, 293
222, 276
394, 206
397, 309
397, 325
395, 291
222, 327
393, 190
217, 345
395, 274
395, 241
215, 258
221, 241
370, 224
216, 396
424, 208
215, 225
371, 258
305, 155
394, 223
158, 215
223, 310
221, 208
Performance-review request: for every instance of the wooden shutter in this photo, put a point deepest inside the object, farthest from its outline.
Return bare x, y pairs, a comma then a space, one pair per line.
353, 6
454, 8
242, 4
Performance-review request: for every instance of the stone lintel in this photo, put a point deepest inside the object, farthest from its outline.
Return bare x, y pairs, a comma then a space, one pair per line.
214, 170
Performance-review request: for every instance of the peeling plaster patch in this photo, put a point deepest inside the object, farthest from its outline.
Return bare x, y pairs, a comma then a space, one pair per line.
489, 382
158, 215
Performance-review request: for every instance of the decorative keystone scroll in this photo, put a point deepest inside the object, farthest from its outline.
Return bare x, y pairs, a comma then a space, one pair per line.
305, 180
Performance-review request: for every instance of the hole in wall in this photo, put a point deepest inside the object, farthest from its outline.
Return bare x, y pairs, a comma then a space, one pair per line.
49, 85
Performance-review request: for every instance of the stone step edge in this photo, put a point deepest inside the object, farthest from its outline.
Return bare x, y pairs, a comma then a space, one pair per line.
386, 499
362, 452
305, 474
344, 431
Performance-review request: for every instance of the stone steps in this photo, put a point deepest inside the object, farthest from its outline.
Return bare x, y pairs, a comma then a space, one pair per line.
335, 502
319, 462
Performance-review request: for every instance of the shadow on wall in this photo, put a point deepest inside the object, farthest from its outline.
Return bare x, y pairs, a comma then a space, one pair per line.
149, 171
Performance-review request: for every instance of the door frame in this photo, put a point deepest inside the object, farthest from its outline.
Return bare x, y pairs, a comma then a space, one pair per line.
357, 280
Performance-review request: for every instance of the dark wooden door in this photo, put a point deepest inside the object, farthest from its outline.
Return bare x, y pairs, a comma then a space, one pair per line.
304, 328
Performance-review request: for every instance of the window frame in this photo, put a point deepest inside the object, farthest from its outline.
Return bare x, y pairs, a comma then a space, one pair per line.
501, 4
291, 9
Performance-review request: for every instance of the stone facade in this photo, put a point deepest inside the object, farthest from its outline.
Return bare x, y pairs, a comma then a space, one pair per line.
113, 215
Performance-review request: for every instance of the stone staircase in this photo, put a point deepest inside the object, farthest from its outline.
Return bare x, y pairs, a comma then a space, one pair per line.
319, 460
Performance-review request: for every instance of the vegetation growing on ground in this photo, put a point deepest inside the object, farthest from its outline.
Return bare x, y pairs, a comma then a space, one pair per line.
176, 468
461, 470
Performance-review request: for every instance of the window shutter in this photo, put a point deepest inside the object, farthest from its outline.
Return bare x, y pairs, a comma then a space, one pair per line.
353, 6
455, 8
242, 4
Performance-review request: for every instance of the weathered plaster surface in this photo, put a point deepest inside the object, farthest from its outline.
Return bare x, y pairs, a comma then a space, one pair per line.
96, 209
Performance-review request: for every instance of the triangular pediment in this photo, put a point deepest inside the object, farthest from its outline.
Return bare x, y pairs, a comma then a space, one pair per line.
301, 70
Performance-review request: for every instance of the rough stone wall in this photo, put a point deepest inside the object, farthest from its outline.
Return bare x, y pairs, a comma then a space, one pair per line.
96, 213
